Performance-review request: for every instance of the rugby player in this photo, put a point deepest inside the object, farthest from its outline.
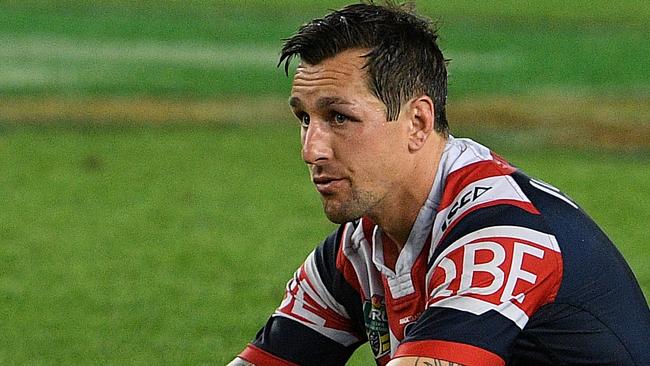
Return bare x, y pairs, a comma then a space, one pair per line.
446, 254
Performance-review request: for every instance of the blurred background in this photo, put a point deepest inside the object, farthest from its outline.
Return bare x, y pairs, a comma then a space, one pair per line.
153, 200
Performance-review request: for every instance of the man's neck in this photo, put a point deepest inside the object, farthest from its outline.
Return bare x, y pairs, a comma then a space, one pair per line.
397, 221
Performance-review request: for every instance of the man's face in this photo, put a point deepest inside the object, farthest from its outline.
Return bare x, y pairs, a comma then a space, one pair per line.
354, 155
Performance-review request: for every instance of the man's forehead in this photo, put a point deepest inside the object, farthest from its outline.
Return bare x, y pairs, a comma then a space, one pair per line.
330, 81
345, 63
306, 73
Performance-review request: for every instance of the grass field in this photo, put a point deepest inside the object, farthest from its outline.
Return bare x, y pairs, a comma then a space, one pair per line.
154, 201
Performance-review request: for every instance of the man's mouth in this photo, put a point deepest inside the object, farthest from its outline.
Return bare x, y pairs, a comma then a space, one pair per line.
327, 185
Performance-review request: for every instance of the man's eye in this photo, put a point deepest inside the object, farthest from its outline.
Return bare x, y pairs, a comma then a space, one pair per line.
304, 120
340, 118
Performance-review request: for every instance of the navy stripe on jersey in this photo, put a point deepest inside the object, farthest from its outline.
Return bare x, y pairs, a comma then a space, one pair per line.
335, 281
487, 331
286, 339
562, 334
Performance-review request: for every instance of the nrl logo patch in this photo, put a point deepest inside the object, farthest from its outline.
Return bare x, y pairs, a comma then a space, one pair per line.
376, 320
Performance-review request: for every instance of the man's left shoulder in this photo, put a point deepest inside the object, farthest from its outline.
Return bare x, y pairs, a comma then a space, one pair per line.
479, 187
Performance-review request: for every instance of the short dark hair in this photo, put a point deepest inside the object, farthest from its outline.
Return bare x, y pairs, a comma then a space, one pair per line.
404, 61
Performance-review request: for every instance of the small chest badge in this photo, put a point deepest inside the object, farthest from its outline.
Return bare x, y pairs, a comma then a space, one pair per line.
376, 319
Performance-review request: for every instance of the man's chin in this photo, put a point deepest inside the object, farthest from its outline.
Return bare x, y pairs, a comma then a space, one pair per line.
338, 219
339, 215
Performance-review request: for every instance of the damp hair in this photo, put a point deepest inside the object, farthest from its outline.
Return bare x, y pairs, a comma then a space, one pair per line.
404, 60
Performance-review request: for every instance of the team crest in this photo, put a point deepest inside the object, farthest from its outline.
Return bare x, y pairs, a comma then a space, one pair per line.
376, 321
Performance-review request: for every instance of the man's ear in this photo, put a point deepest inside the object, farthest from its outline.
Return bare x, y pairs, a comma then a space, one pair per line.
421, 121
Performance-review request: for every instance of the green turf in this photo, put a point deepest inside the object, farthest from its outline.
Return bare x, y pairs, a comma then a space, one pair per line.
172, 245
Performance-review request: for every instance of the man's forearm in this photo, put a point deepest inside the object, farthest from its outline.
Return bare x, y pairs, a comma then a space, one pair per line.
239, 362
420, 361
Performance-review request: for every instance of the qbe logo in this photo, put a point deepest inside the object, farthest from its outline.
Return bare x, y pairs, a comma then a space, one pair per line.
513, 274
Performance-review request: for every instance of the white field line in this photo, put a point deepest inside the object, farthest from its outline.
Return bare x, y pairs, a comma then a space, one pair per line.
191, 53
31, 61
16, 76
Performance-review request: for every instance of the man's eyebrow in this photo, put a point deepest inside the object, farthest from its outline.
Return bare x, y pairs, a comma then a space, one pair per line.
321, 103
325, 102
295, 102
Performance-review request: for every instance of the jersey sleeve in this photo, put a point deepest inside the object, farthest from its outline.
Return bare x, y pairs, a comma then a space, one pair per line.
487, 276
314, 324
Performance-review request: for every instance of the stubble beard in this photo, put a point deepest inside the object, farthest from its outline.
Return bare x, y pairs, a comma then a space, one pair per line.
342, 210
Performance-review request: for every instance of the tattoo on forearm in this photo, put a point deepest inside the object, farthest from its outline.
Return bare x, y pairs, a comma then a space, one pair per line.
435, 363
423, 363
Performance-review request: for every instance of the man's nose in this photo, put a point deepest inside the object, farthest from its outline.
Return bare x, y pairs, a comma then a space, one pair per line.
316, 144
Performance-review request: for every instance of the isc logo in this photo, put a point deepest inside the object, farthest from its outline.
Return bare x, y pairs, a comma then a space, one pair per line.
486, 192
470, 196
489, 270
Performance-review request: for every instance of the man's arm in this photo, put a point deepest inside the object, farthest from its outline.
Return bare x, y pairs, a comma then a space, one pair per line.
420, 361
239, 362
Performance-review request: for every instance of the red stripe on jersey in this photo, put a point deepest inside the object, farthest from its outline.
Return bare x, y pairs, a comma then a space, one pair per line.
260, 357
464, 354
368, 228
471, 173
405, 310
300, 304
390, 251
